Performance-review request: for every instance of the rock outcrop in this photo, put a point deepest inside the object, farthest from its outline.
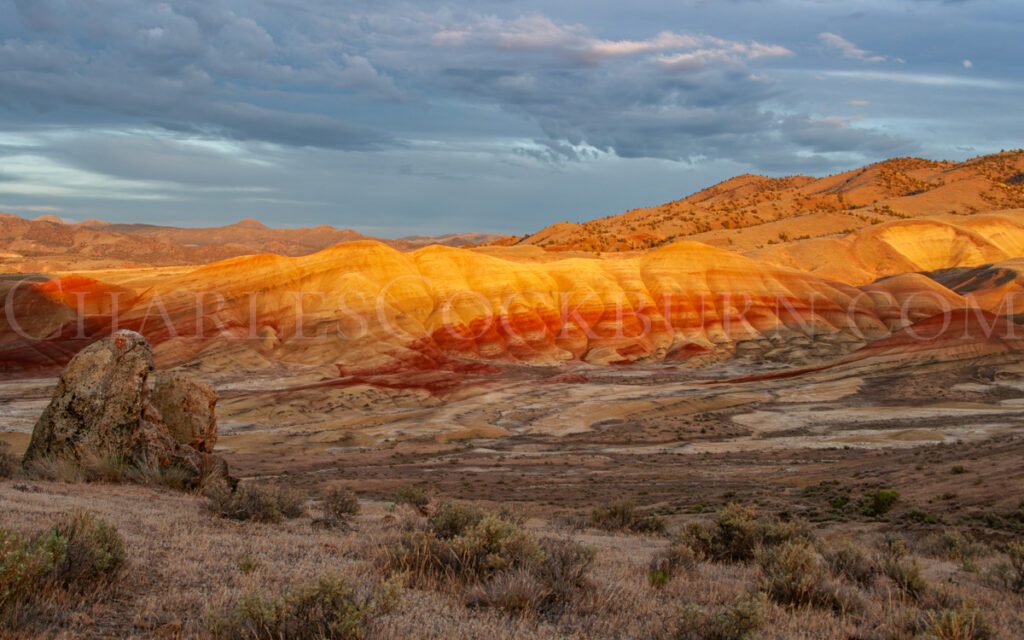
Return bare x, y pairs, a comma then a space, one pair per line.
188, 406
102, 409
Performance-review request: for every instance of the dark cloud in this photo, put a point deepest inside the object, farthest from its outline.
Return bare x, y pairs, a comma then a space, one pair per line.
517, 112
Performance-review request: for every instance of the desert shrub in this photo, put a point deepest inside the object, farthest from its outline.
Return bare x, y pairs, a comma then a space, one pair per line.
853, 562
1010, 573
27, 566
412, 496
452, 519
93, 550
489, 555
878, 503
958, 469
622, 515
669, 562
512, 591
902, 568
75, 556
1015, 551
738, 532
546, 584
962, 623
254, 503
329, 608
793, 574
562, 570
493, 545
740, 620
490, 545
339, 505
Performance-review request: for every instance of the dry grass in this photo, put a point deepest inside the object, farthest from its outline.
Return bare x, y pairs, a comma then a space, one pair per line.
186, 569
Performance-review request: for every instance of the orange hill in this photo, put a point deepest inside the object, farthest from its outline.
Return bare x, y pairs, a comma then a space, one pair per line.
749, 212
363, 308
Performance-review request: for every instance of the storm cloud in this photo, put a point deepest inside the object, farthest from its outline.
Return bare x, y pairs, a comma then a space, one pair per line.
496, 116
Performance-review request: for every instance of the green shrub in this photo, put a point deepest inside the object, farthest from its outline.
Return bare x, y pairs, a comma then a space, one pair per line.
623, 515
738, 532
326, 609
958, 469
878, 503
740, 620
254, 503
452, 519
76, 556
93, 550
412, 496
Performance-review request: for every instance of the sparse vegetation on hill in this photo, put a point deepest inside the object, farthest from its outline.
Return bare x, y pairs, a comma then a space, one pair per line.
465, 571
899, 188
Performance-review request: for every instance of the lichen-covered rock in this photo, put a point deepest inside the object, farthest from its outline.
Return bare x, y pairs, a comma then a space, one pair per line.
188, 406
102, 409
98, 402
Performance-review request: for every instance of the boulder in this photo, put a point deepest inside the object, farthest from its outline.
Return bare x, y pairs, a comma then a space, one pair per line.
188, 406
102, 409
98, 402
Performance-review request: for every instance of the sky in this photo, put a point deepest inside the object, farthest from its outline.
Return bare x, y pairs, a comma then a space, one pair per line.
398, 118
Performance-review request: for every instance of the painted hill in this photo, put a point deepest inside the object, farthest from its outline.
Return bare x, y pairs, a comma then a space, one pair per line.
364, 310
915, 245
750, 212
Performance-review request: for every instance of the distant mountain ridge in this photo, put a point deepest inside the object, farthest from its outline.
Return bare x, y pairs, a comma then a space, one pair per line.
48, 243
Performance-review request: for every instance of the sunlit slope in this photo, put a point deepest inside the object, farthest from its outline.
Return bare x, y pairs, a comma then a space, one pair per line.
924, 244
363, 305
750, 212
